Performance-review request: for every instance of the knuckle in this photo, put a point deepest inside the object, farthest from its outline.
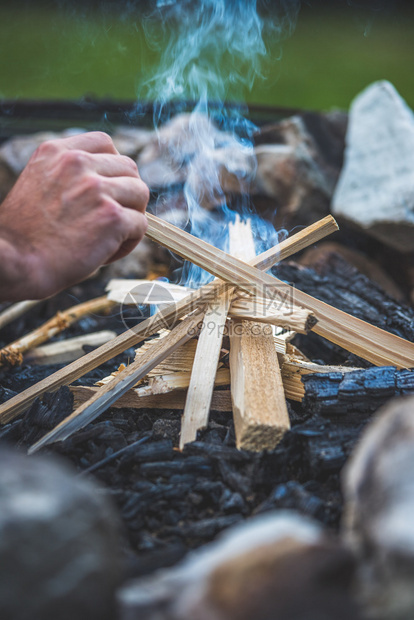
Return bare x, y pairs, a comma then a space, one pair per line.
73, 160
103, 140
130, 164
111, 213
93, 187
48, 148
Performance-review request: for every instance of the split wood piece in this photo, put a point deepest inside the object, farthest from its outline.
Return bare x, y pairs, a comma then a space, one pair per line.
13, 353
165, 317
259, 405
371, 343
299, 241
177, 381
299, 320
188, 328
221, 400
145, 292
180, 361
15, 311
292, 370
203, 373
66, 351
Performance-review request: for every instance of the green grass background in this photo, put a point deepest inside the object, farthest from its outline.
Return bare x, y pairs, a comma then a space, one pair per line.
52, 54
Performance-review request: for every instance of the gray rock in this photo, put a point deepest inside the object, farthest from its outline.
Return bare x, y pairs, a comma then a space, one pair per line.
378, 485
275, 566
130, 141
376, 188
16, 152
293, 171
58, 543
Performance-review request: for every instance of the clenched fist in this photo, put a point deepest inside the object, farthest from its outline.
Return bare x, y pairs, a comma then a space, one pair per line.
77, 205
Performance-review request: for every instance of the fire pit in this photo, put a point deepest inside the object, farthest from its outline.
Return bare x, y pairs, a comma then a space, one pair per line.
178, 482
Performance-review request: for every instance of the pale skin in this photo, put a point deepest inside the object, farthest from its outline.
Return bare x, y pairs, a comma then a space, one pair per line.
77, 205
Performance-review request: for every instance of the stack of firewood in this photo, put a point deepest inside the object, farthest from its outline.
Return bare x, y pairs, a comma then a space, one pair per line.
257, 313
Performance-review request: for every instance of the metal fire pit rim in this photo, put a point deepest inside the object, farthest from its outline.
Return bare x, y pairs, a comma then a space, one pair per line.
25, 116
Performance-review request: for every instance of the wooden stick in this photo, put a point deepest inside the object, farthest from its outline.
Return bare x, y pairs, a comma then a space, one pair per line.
369, 342
145, 292
13, 353
15, 311
177, 381
82, 416
141, 397
66, 351
259, 406
200, 391
203, 374
299, 241
300, 320
221, 400
164, 318
181, 360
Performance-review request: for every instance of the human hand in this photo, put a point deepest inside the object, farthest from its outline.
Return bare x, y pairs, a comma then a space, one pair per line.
77, 205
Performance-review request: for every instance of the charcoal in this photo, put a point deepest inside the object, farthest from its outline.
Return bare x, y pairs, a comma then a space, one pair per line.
45, 414
165, 428
293, 495
232, 502
216, 451
341, 285
156, 451
359, 391
197, 465
115, 455
233, 479
205, 528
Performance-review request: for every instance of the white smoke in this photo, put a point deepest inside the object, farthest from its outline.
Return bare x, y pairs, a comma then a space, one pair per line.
213, 51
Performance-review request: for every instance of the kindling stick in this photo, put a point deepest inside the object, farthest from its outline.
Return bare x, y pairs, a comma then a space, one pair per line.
257, 395
188, 328
204, 370
12, 354
163, 318
15, 311
369, 342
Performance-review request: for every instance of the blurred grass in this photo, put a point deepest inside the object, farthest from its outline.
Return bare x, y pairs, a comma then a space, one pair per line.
51, 54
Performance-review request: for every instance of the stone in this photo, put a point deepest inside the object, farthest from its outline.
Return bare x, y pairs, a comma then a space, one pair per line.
130, 141
298, 164
293, 171
16, 152
375, 190
378, 487
59, 542
279, 565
